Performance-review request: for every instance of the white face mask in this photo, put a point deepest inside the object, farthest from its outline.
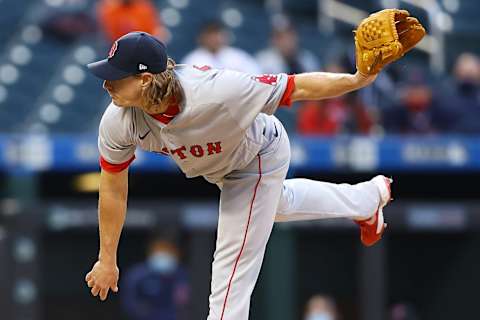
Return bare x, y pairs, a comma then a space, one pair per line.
320, 316
162, 262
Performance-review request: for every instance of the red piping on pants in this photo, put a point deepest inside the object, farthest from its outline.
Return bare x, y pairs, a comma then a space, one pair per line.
244, 236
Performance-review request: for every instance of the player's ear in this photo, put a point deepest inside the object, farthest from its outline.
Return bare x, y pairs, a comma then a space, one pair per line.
146, 79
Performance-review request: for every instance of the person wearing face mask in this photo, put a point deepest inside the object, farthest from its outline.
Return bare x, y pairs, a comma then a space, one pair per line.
320, 307
158, 287
460, 99
415, 112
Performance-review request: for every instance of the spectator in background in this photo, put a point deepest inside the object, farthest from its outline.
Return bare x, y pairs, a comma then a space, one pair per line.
213, 50
344, 114
118, 17
403, 311
415, 113
320, 307
157, 288
69, 21
285, 55
460, 100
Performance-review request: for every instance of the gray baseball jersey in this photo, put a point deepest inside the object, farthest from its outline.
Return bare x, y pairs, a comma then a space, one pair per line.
218, 127
224, 130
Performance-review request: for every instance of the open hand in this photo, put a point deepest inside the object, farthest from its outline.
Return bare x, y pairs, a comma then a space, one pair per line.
102, 278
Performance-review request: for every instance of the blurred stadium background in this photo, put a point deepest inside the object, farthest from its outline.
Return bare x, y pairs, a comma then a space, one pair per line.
420, 124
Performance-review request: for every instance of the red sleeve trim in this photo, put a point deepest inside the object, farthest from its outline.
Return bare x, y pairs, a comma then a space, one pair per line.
110, 167
286, 98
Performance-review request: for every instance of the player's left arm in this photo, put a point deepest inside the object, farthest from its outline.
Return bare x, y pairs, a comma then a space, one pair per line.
380, 39
323, 85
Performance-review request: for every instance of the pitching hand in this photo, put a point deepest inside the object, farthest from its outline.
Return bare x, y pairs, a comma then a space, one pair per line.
102, 278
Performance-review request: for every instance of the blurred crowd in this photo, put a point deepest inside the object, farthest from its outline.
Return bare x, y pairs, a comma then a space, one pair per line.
405, 99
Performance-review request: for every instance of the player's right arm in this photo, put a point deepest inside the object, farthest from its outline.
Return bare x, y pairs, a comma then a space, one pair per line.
117, 151
112, 208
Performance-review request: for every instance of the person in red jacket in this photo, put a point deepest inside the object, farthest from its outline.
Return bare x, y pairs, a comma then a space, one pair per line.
119, 17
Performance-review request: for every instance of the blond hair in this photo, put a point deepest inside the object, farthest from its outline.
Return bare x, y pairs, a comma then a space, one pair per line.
163, 90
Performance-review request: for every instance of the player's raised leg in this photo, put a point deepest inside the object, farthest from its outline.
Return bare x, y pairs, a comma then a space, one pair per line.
304, 199
248, 204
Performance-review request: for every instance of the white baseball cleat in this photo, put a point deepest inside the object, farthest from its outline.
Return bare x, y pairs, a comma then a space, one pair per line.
371, 230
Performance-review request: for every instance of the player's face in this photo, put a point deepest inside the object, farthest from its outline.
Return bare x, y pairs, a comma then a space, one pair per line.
125, 92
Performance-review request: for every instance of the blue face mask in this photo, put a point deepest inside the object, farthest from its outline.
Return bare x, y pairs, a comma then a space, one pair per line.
162, 262
319, 316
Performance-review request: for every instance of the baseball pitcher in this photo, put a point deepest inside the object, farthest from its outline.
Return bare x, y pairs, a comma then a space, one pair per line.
219, 124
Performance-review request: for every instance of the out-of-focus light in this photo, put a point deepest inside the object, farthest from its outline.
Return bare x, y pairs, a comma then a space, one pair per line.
10, 207
390, 3
24, 250
457, 154
21, 55
73, 75
25, 291
32, 34
451, 6
179, 4
38, 128
3, 93
84, 55
50, 113
55, 3
232, 17
171, 17
9, 74
88, 182
363, 154
63, 94
444, 21
86, 152
36, 152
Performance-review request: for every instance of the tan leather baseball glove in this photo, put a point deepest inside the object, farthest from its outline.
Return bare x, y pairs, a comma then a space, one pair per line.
384, 37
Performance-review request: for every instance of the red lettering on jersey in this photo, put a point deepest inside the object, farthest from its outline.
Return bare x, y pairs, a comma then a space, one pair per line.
270, 79
214, 148
203, 68
197, 151
179, 152
113, 49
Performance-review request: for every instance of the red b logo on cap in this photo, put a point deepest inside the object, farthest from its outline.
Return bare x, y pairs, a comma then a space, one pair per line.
113, 49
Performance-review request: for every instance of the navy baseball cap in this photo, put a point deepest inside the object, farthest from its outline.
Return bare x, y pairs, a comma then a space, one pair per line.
133, 53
